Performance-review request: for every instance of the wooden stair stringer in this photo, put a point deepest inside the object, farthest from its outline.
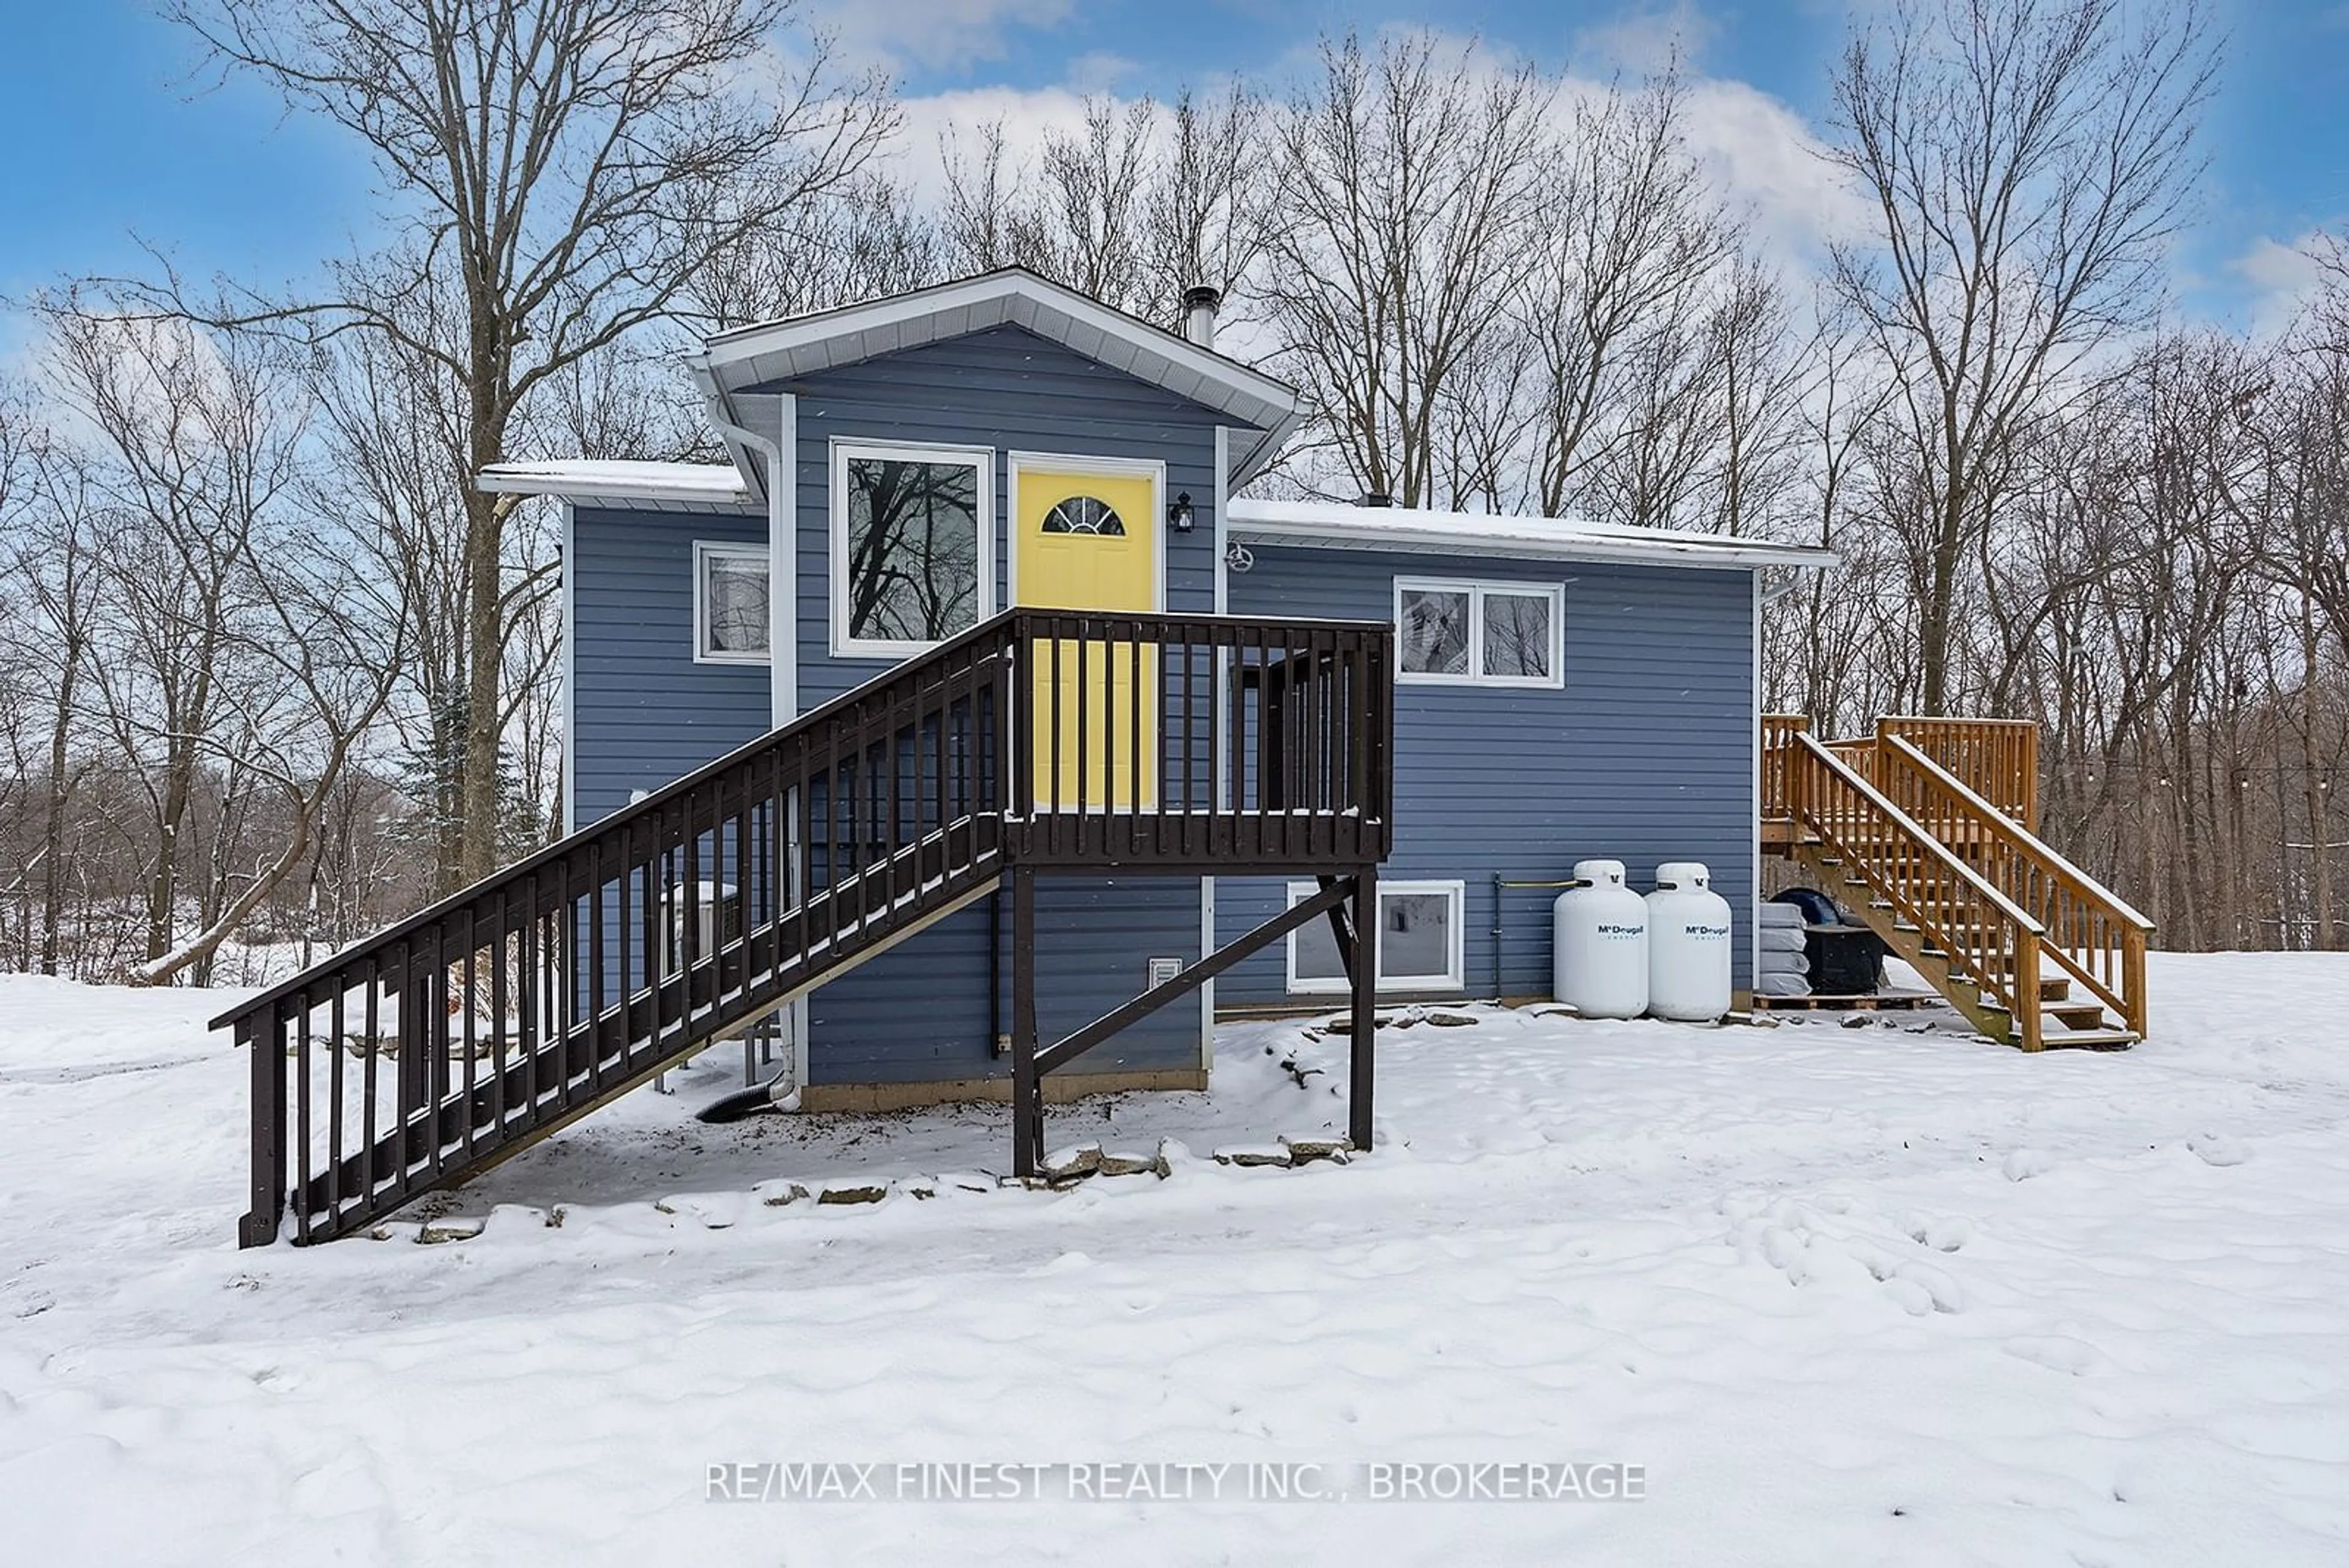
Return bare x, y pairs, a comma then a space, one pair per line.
2066, 1022
1861, 896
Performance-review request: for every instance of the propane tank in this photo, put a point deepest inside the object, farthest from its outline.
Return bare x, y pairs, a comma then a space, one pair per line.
1601, 960
1688, 945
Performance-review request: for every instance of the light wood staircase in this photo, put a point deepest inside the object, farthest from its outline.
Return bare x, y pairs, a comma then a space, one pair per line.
1925, 832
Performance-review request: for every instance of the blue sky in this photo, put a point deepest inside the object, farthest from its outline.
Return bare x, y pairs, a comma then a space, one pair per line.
106, 137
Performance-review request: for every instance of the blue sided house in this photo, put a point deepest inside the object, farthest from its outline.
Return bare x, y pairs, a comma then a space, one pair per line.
972, 734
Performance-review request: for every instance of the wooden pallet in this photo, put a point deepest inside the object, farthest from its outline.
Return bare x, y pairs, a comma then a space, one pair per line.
1880, 1001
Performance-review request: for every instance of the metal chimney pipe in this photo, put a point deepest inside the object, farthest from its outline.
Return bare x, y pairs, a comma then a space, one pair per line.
1199, 303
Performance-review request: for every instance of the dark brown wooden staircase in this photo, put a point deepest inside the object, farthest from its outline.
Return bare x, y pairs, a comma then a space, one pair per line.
1038, 743
1935, 850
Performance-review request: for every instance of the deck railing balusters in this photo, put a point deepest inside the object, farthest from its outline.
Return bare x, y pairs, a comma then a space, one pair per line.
1042, 735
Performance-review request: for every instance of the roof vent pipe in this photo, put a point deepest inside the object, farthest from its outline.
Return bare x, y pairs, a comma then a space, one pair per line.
1375, 498
1199, 303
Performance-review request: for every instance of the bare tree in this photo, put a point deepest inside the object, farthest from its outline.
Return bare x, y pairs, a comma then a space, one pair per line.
1628, 240
570, 167
1209, 215
2028, 161
1407, 179
232, 645
865, 241
1765, 374
45, 586
56, 570
1137, 204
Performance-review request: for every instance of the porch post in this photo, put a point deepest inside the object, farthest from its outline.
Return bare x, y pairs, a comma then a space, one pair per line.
1027, 1086
1363, 972
267, 1044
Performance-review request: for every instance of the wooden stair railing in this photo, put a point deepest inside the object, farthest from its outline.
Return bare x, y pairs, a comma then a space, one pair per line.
1998, 759
1978, 946
1039, 739
1779, 734
2097, 938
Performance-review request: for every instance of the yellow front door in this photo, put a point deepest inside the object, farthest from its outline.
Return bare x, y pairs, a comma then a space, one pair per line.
1089, 542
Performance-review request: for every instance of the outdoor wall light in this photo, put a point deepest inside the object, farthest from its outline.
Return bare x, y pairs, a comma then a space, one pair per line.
1179, 516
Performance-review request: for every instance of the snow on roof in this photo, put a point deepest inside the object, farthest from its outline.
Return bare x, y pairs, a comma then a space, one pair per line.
1329, 524
588, 479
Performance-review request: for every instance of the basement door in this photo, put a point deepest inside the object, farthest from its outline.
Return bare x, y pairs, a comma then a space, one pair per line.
1086, 538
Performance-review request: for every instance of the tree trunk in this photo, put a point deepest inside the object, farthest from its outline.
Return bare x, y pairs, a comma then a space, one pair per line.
163, 887
484, 660
53, 825
2312, 782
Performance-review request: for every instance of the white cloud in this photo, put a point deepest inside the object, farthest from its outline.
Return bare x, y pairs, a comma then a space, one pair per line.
937, 34
1027, 115
1764, 158
1644, 40
1101, 71
20, 342
2282, 278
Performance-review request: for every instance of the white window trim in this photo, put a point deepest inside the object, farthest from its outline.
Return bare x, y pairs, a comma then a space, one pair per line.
1476, 590
843, 451
1455, 978
704, 551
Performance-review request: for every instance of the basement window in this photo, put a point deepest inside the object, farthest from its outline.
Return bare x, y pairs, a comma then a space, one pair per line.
911, 557
1420, 941
730, 603
1480, 634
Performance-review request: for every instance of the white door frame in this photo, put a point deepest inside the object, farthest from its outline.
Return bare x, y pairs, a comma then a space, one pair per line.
1152, 469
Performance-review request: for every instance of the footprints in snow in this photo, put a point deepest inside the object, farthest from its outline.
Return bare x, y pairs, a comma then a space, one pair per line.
1942, 1233
1801, 1244
2025, 1163
2059, 1353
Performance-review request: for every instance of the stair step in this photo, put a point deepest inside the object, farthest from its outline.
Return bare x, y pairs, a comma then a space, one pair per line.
2065, 1023
2086, 1039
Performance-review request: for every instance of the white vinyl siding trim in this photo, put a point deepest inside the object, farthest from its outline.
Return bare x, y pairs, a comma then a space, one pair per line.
980, 458
1451, 978
707, 554
1477, 594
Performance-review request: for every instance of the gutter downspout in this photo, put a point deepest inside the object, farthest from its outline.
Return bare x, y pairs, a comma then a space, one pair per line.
1772, 593
782, 1089
773, 453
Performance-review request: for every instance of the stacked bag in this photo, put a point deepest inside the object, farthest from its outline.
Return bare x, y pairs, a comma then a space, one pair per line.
1784, 969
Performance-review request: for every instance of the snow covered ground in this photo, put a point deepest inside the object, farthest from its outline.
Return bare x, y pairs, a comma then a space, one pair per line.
1847, 1295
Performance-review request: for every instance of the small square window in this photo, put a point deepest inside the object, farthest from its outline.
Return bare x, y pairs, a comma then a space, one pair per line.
1479, 634
730, 603
1432, 624
1420, 947
1517, 635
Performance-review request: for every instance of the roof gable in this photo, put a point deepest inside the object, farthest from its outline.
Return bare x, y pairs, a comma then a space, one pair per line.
746, 356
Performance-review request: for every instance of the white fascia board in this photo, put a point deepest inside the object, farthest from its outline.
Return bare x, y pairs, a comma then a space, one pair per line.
592, 479
989, 299
1265, 450
720, 404
1334, 535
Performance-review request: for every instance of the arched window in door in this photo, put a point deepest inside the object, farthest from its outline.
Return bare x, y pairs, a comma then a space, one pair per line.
1083, 515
